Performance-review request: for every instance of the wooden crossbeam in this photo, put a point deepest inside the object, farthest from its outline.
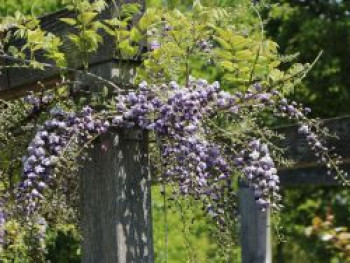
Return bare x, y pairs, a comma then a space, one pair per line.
21, 80
307, 170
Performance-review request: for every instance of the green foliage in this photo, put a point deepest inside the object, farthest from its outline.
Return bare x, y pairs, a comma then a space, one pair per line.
17, 250
126, 40
307, 28
302, 206
9, 7
14, 136
335, 239
190, 237
22, 244
36, 40
241, 54
63, 244
87, 38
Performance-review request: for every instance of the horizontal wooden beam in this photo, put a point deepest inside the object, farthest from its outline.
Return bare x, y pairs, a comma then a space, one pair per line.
17, 92
18, 78
307, 170
307, 176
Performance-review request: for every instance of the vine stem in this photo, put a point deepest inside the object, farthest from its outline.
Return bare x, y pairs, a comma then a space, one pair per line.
165, 211
73, 70
260, 46
303, 72
165, 222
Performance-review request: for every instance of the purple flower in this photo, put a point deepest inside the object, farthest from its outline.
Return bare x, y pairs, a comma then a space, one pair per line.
154, 45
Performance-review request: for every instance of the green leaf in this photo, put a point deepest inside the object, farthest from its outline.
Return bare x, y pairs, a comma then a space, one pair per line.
62, 90
238, 41
147, 19
104, 92
276, 75
228, 66
99, 5
128, 10
224, 54
245, 55
135, 34
223, 43
69, 21
75, 39
127, 49
87, 17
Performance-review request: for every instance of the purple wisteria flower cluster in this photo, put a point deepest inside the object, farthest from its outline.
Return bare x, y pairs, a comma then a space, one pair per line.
50, 141
37, 102
260, 173
2, 224
182, 120
199, 165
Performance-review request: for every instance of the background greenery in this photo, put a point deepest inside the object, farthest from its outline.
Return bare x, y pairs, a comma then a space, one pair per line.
303, 27
306, 28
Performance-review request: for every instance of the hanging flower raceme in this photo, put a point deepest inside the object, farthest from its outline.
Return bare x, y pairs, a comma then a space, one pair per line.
2, 224
53, 138
181, 118
260, 173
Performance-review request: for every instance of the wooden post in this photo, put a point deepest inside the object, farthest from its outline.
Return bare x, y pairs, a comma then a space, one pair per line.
116, 201
255, 229
116, 186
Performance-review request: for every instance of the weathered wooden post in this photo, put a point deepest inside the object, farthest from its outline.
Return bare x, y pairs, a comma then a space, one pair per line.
116, 197
115, 185
255, 233
116, 188
116, 212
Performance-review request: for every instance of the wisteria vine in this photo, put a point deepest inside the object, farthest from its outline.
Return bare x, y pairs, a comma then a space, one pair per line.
201, 166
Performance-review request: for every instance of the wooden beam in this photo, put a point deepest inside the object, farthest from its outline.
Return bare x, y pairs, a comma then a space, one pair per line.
4, 81
308, 175
17, 92
307, 171
19, 77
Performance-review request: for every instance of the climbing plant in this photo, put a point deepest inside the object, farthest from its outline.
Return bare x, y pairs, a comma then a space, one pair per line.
208, 136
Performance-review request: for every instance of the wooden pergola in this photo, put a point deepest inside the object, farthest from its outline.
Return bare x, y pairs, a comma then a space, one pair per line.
116, 186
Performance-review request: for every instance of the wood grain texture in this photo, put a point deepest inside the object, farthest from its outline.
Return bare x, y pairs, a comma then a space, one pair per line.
255, 229
116, 201
116, 186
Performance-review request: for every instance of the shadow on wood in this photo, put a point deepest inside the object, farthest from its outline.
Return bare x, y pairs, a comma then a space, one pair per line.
116, 201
